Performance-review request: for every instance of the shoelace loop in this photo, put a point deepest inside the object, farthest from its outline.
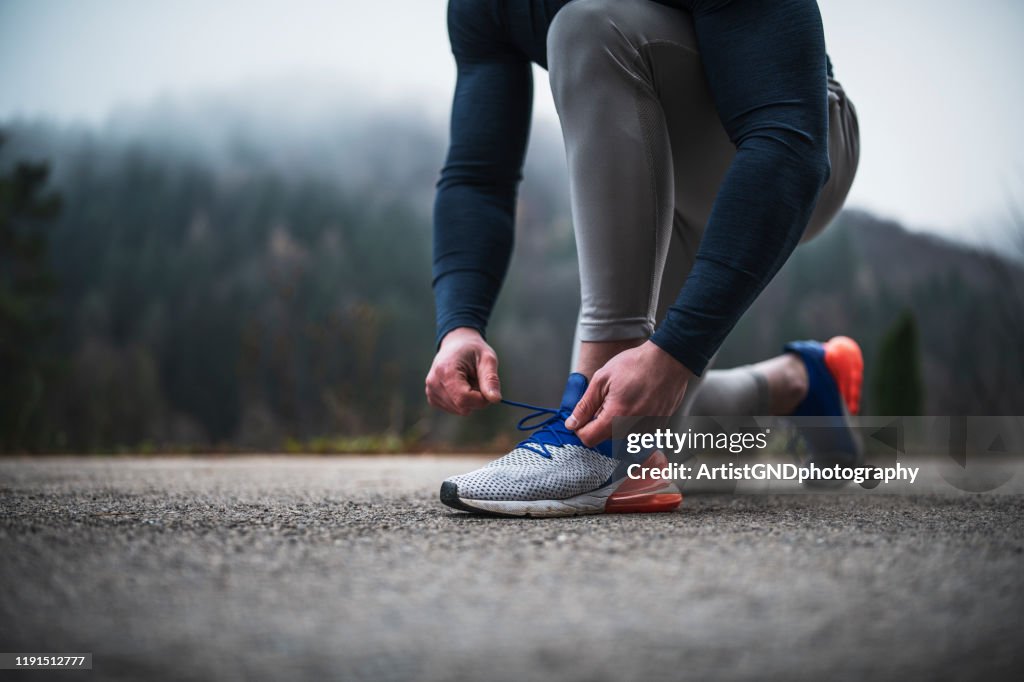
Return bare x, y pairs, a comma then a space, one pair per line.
549, 427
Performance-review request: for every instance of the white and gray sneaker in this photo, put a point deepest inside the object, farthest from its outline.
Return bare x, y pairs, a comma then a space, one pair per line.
552, 473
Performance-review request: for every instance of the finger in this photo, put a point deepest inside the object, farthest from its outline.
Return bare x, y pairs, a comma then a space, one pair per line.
430, 391
487, 377
439, 399
438, 394
588, 405
469, 401
598, 430
462, 396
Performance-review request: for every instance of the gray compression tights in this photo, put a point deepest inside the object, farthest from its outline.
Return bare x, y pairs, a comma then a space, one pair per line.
646, 153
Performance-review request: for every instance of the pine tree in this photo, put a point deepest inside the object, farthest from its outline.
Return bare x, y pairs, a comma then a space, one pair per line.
26, 291
897, 381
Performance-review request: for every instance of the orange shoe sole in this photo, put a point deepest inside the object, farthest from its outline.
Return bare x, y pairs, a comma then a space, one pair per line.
846, 364
643, 495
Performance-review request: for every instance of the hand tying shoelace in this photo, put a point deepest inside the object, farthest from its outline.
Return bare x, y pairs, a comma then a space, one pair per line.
568, 478
550, 432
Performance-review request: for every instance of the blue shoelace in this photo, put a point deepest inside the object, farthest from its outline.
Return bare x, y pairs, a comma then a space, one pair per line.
548, 433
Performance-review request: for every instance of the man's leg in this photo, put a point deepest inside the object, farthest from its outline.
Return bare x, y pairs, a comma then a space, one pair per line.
647, 155
770, 387
620, 165
642, 135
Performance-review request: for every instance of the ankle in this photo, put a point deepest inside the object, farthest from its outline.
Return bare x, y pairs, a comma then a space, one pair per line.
787, 382
793, 385
595, 354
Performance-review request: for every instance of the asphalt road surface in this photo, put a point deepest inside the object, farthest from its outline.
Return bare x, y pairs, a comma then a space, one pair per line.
287, 568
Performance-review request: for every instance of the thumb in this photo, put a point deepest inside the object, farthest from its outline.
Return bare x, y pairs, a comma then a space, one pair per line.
587, 407
487, 375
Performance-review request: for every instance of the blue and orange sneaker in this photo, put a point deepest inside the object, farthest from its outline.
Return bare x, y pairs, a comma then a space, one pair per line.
552, 473
835, 372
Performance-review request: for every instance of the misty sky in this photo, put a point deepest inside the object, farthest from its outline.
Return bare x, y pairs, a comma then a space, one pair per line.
937, 83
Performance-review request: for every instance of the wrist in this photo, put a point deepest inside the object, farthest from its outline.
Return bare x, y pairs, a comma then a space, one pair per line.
460, 334
665, 362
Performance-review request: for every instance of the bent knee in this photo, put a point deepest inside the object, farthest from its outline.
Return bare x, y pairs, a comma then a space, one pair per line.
589, 32
588, 38
580, 25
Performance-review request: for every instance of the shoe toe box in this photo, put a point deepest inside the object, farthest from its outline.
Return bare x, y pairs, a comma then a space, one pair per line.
548, 480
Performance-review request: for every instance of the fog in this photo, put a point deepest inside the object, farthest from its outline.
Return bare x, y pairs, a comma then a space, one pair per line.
937, 84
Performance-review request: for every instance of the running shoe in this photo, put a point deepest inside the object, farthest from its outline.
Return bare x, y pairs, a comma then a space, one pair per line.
835, 372
552, 473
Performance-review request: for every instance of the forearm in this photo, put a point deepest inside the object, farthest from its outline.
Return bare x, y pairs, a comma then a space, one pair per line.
760, 213
474, 211
470, 261
766, 67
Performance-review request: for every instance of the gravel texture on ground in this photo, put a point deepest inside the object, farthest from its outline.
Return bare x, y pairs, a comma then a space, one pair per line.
273, 568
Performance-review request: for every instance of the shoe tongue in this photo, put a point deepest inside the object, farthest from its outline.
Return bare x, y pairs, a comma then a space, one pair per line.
574, 390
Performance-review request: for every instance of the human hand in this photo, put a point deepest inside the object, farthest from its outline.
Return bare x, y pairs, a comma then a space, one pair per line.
643, 381
464, 375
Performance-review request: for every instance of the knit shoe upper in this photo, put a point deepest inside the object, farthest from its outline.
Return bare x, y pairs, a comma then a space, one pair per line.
552, 464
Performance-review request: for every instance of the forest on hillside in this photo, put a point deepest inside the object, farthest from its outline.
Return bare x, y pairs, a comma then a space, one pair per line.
187, 285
